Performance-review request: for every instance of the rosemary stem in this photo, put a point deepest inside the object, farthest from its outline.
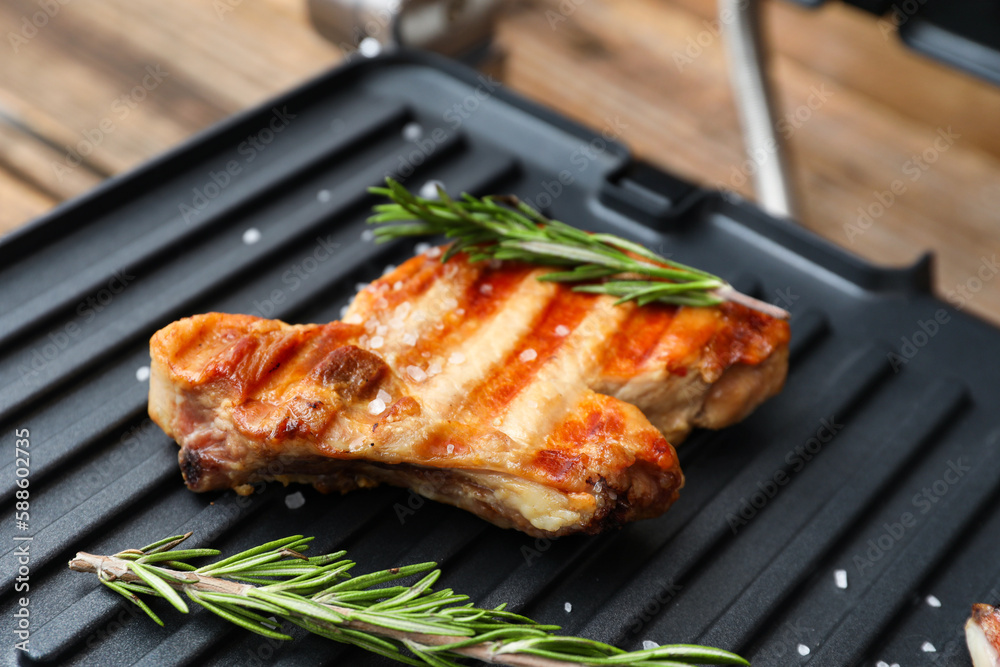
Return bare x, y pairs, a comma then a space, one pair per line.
118, 569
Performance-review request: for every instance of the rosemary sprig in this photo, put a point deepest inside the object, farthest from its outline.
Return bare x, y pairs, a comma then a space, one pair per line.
412, 624
503, 227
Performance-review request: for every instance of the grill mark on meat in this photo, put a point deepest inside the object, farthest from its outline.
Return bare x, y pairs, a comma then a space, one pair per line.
509, 377
638, 338
478, 309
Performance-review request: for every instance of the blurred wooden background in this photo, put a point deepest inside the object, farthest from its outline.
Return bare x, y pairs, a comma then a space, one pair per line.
135, 77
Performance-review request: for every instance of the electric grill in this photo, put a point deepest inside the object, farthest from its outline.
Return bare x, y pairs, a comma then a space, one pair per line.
847, 521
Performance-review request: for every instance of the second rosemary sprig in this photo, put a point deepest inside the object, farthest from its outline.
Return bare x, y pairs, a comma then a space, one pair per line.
413, 624
505, 228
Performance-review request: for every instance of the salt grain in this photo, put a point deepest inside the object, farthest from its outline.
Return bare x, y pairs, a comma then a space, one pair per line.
568, 607
251, 236
323, 196
421, 248
451, 449
376, 407
142, 373
398, 285
456, 358
460, 312
361, 286
402, 310
451, 303
562, 330
352, 319
416, 373
486, 289
933, 601
434, 368
384, 396
803, 649
409, 339
425, 355
293, 501
343, 311
840, 578
388, 269
647, 644
434, 252
397, 323
381, 330
528, 355
928, 647
368, 235
376, 342
429, 190
412, 131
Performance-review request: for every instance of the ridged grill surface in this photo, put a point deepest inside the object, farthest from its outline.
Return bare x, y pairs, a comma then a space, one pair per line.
878, 459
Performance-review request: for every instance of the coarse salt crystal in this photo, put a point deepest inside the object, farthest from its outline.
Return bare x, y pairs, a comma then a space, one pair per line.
425, 355
568, 607
142, 373
421, 248
397, 323
381, 330
528, 355
647, 644
353, 319
416, 373
389, 268
562, 330
840, 578
460, 311
376, 342
429, 190
456, 358
933, 601
397, 285
403, 309
293, 501
363, 340
451, 303
409, 339
384, 396
451, 449
434, 252
367, 235
803, 649
928, 647
486, 289
434, 368
376, 407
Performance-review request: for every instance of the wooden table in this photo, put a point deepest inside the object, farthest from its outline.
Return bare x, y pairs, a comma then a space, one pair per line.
103, 86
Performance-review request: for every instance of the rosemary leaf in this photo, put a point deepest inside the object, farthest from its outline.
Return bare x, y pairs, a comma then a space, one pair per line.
412, 624
504, 228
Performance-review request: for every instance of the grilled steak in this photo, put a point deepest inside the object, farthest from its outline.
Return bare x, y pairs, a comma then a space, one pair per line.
533, 406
